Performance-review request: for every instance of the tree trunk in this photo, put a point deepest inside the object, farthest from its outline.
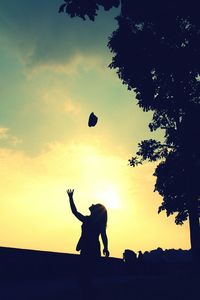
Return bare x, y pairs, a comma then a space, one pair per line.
194, 229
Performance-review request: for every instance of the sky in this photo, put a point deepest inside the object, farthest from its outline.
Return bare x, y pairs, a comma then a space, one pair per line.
54, 73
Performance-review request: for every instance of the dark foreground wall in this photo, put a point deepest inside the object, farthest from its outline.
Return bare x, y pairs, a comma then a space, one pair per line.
40, 275
19, 264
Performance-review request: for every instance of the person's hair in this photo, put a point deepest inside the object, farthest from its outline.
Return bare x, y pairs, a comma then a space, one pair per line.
101, 216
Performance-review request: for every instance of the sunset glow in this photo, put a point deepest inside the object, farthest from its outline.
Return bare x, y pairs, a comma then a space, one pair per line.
109, 197
54, 73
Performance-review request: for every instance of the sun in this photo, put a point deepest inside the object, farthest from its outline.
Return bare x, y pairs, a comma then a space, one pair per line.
109, 197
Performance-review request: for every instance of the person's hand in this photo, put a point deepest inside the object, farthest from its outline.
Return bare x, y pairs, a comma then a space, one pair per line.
106, 252
70, 193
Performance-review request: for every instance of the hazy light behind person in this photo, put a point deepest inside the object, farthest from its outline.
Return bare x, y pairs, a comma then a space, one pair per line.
93, 226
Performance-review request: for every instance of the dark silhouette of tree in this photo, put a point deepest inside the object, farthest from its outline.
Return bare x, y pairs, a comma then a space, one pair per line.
156, 53
86, 8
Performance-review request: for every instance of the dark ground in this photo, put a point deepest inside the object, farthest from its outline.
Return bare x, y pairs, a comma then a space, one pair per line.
29, 275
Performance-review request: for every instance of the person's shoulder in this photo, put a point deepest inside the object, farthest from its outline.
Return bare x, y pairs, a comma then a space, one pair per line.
86, 218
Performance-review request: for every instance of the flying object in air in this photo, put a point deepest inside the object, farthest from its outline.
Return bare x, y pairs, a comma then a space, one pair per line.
92, 121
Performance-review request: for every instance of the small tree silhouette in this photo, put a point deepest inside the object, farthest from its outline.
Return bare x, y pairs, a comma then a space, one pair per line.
156, 53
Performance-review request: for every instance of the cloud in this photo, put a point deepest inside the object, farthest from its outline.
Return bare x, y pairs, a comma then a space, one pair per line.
3, 132
34, 208
70, 107
56, 101
43, 38
7, 138
35, 211
69, 66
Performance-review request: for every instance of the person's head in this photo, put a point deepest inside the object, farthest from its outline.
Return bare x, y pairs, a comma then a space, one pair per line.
99, 212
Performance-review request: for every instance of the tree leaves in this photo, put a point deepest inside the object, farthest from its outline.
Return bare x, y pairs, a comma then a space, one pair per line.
86, 8
62, 8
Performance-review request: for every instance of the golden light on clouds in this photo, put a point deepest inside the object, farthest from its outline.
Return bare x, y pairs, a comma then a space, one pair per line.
35, 208
6, 136
3, 132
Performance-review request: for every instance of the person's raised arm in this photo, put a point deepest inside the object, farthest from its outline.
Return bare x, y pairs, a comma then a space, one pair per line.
77, 214
105, 243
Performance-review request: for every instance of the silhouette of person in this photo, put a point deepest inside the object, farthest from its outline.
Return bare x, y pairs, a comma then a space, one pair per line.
93, 226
